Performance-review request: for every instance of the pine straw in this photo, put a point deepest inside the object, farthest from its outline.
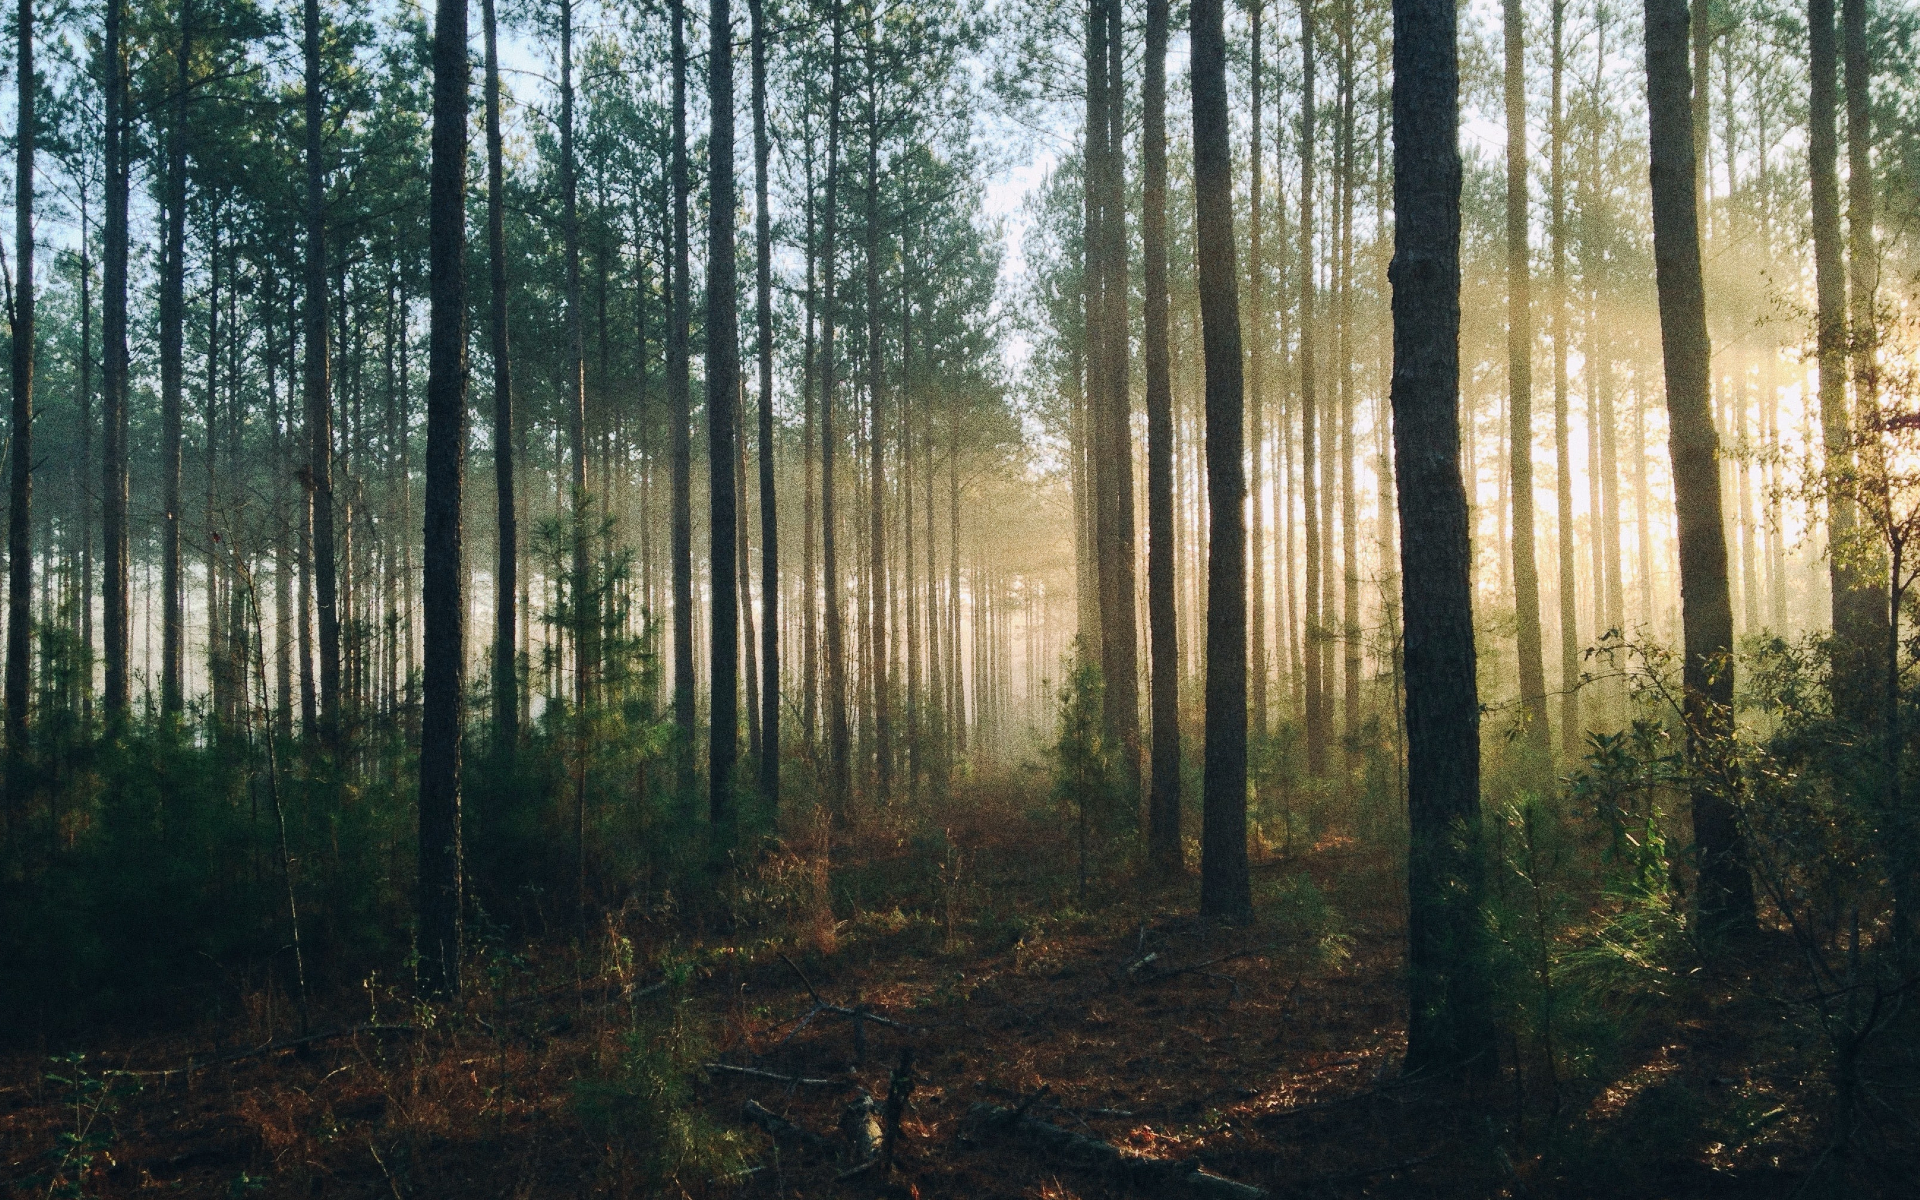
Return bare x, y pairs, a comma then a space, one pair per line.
1275, 1067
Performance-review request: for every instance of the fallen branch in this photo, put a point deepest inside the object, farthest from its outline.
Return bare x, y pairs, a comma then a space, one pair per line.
1199, 968
775, 1076
780, 1127
270, 1048
1162, 1176
858, 1015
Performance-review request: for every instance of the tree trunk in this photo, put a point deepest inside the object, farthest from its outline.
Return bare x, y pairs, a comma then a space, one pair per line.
809, 610
1859, 605
1725, 893
1526, 573
173, 269
319, 403
1864, 263
20, 475
769, 525
118, 633
1317, 715
839, 736
1256, 381
1349, 509
1224, 888
680, 418
1570, 733
506, 673
1163, 797
444, 659
723, 386
1450, 1025
879, 658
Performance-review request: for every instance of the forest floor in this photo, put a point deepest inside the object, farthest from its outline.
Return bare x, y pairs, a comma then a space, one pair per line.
1267, 1053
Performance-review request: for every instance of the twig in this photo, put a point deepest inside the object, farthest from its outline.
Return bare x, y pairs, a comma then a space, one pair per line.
775, 1077
807, 983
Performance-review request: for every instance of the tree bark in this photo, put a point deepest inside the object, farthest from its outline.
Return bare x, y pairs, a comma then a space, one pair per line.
723, 385
1570, 733
1450, 1025
506, 672
1859, 605
318, 388
1256, 377
1163, 796
1224, 888
1526, 572
769, 525
879, 657
1725, 891
839, 735
118, 631
173, 269
680, 418
444, 659
1317, 716
20, 474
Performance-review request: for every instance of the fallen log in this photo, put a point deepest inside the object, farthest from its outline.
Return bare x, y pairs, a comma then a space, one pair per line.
861, 1123
1164, 1176
780, 1127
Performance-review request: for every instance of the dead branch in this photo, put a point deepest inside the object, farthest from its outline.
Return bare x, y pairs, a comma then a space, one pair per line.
795, 1080
780, 1127
1163, 1176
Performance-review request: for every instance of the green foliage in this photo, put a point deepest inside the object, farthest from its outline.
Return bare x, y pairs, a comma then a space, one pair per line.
642, 1112
1085, 785
90, 1100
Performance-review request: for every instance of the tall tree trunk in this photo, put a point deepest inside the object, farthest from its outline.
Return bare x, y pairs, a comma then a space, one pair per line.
86, 459
506, 673
1349, 509
1526, 573
1256, 380
1224, 888
1699, 31
1318, 717
441, 723
1859, 606
20, 475
1450, 1024
839, 735
723, 387
584, 592
680, 418
1092, 375
118, 633
319, 402
1119, 644
1725, 894
1864, 264
173, 269
879, 657
1163, 797
769, 524
1570, 732
809, 610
